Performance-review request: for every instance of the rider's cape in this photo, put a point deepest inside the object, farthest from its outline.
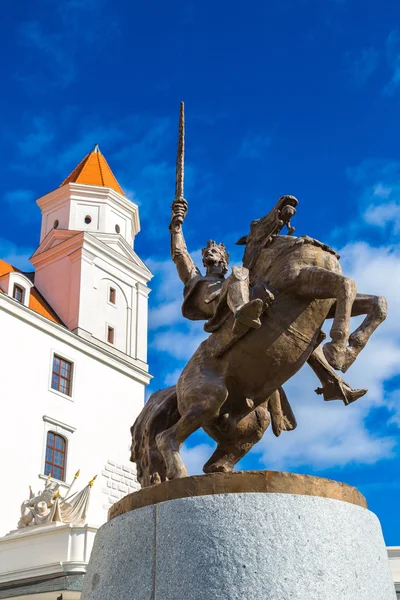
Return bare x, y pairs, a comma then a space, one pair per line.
215, 294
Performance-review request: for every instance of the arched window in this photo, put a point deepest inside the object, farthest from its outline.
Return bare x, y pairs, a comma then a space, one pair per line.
56, 448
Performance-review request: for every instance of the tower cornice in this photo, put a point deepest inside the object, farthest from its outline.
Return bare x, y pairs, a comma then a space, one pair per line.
90, 193
48, 253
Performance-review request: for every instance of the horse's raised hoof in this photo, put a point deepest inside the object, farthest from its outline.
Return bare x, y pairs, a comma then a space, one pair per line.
334, 355
350, 357
217, 468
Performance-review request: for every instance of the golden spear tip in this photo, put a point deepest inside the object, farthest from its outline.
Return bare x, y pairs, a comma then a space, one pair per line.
77, 474
57, 495
91, 482
30, 487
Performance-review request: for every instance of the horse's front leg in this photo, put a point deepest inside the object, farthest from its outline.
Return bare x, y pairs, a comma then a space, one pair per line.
320, 284
375, 309
201, 393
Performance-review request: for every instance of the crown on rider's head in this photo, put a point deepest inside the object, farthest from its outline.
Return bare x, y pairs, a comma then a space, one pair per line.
221, 250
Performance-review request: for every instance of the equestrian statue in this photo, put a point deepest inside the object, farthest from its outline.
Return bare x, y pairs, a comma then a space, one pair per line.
265, 322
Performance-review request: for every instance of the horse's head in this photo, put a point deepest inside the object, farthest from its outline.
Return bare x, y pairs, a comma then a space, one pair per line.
262, 231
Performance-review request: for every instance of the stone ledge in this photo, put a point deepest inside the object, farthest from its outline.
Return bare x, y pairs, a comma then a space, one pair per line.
265, 482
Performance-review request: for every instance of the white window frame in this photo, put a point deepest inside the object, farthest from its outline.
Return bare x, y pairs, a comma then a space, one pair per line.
62, 355
23, 290
115, 334
66, 432
114, 287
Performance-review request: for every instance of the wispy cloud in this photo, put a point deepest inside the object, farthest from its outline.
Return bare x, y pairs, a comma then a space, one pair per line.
379, 185
382, 59
40, 136
254, 147
57, 66
392, 47
54, 53
362, 65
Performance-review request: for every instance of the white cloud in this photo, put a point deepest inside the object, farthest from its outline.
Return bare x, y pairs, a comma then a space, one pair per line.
376, 271
379, 183
173, 377
195, 457
179, 344
382, 215
166, 301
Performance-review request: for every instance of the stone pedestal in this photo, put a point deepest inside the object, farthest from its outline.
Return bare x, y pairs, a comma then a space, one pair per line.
241, 536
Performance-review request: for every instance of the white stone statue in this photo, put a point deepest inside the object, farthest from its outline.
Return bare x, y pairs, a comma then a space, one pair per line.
49, 506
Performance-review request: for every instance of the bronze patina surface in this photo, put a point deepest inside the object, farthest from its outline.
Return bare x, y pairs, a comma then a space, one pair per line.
239, 482
265, 322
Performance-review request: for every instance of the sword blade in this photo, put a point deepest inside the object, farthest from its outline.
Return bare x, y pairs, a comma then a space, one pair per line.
180, 157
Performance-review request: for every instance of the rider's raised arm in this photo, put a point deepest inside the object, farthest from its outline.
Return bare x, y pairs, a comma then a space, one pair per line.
179, 252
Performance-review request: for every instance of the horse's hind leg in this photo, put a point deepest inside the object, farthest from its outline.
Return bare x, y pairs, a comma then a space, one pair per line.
232, 448
375, 307
197, 405
319, 283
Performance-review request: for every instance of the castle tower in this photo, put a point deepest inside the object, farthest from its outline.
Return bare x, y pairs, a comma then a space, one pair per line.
85, 259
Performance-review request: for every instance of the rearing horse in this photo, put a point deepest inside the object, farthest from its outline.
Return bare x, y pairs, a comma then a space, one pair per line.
224, 385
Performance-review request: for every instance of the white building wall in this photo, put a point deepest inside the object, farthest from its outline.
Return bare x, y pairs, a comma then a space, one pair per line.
104, 403
58, 213
97, 276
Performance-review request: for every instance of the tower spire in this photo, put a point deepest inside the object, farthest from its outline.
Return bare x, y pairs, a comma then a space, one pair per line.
180, 157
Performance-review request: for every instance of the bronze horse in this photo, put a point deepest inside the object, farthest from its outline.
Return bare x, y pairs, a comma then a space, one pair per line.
232, 388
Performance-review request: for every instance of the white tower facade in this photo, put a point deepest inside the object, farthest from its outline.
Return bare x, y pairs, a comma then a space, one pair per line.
74, 365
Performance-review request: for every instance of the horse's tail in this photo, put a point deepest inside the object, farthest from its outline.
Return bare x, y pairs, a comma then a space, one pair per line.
158, 414
282, 417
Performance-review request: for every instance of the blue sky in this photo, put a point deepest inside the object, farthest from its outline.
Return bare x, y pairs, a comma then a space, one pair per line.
282, 97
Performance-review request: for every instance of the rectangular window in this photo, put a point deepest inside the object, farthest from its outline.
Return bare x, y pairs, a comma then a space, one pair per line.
110, 335
61, 375
112, 295
55, 456
18, 293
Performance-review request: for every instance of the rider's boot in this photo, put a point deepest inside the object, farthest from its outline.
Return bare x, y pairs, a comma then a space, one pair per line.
340, 390
247, 312
333, 386
248, 316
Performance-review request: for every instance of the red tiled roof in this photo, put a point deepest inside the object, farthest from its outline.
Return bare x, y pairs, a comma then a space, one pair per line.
94, 170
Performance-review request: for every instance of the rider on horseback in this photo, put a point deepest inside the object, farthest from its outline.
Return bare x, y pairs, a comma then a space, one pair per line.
207, 296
